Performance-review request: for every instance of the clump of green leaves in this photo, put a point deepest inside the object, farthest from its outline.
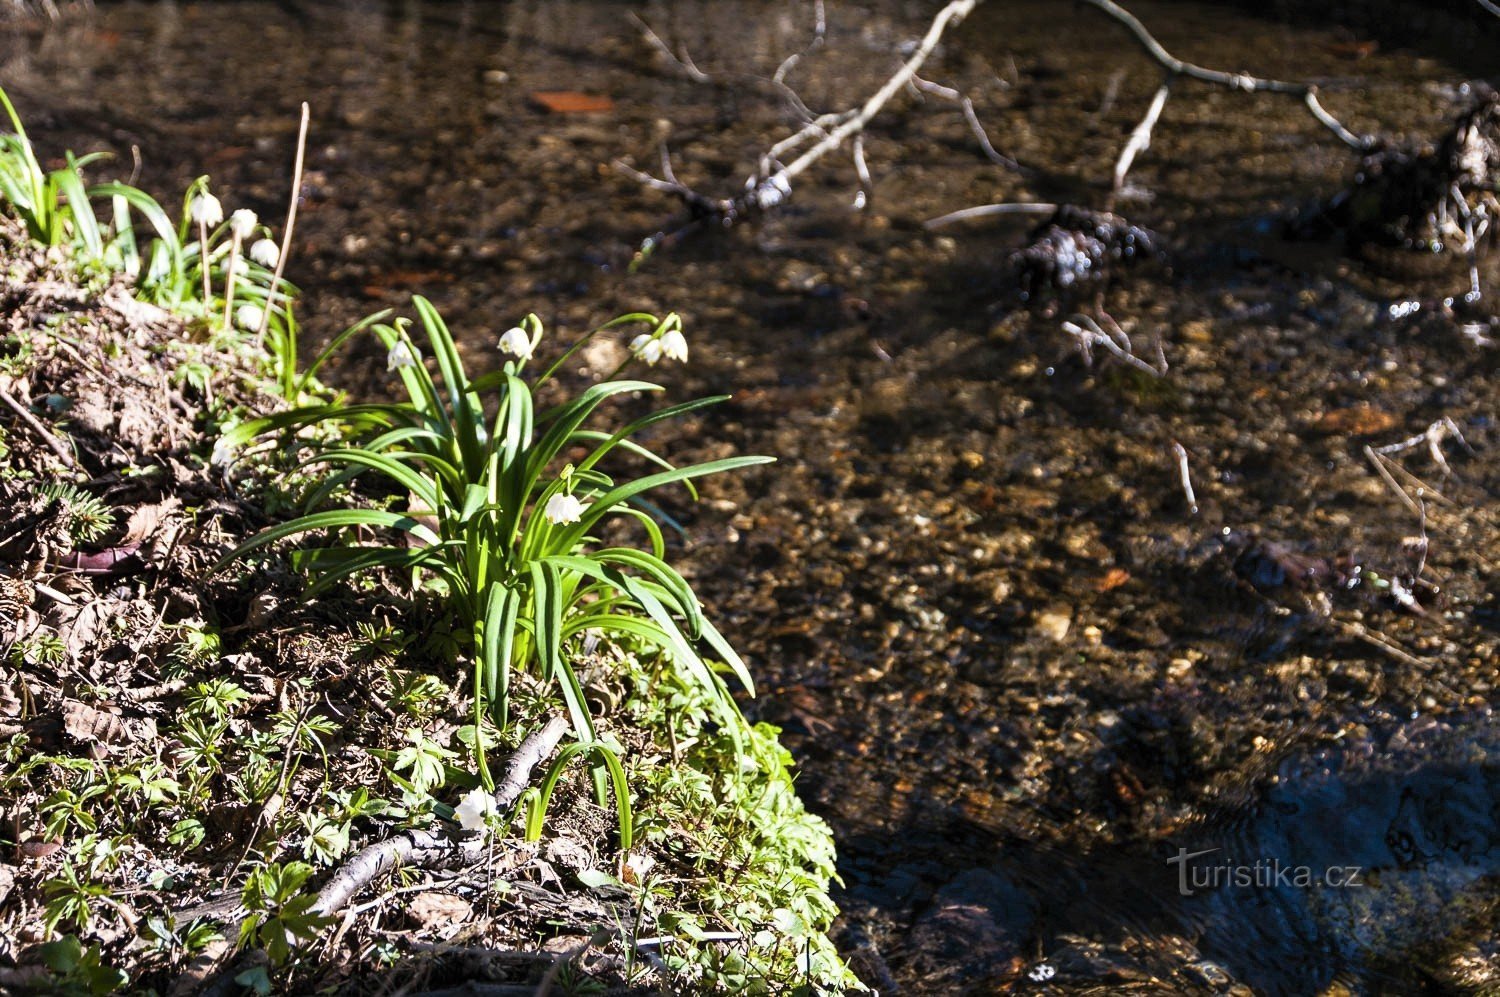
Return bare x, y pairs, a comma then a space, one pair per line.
503, 525
745, 856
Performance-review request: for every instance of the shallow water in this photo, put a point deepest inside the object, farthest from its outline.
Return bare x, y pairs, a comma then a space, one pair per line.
1019, 672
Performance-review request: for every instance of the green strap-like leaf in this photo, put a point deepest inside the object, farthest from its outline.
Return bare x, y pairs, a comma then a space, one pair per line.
622, 493
537, 815
497, 643
675, 586
546, 591
335, 519
386, 464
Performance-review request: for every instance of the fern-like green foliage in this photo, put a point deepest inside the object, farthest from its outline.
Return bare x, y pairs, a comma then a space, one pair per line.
89, 518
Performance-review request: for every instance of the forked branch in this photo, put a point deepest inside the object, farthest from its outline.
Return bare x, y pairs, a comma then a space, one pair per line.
771, 184
1140, 138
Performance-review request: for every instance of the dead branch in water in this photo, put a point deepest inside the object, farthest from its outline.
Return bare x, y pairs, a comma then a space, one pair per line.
1175, 67
820, 135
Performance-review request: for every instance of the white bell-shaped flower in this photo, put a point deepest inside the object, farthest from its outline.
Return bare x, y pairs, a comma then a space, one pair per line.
242, 223
474, 809
563, 508
265, 252
517, 343
401, 355
206, 210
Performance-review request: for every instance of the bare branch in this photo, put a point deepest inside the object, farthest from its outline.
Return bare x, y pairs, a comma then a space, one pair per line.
967, 105
1140, 138
682, 63
986, 210
1180, 452
43, 433
1087, 334
1174, 66
772, 183
820, 32
955, 11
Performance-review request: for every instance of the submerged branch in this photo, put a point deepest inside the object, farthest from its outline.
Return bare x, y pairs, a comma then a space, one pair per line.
772, 184
1306, 92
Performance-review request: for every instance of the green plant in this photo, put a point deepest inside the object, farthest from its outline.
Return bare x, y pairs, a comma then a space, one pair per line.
54, 206
500, 520
89, 518
79, 970
279, 914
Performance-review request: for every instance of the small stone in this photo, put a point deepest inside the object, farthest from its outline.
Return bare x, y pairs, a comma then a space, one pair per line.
1054, 624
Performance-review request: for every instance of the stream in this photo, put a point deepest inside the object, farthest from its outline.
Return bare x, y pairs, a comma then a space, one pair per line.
1073, 734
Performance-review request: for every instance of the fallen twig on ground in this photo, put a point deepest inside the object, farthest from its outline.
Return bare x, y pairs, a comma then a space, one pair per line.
418, 848
43, 433
437, 849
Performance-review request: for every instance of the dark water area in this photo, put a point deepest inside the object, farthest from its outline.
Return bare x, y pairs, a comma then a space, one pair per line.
1021, 674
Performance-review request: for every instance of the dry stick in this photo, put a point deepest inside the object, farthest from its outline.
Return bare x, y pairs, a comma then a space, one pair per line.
1490, 6
436, 849
986, 210
203, 264
35, 424
819, 39
1140, 138
1174, 66
286, 235
423, 848
1385, 475
1187, 482
766, 192
955, 11
230, 274
971, 116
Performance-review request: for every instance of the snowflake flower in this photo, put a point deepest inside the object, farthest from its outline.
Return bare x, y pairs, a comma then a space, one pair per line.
206, 210
563, 509
517, 343
265, 252
674, 346
242, 223
401, 355
474, 809
647, 348
249, 316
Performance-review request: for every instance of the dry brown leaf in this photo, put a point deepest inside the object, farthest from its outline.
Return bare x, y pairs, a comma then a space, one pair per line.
1357, 420
436, 911
84, 723
147, 520
81, 633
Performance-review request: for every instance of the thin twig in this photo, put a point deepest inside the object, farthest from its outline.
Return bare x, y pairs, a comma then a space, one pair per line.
986, 210
1140, 138
1377, 462
35, 425
955, 11
819, 39
286, 235
1182, 472
772, 185
967, 105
